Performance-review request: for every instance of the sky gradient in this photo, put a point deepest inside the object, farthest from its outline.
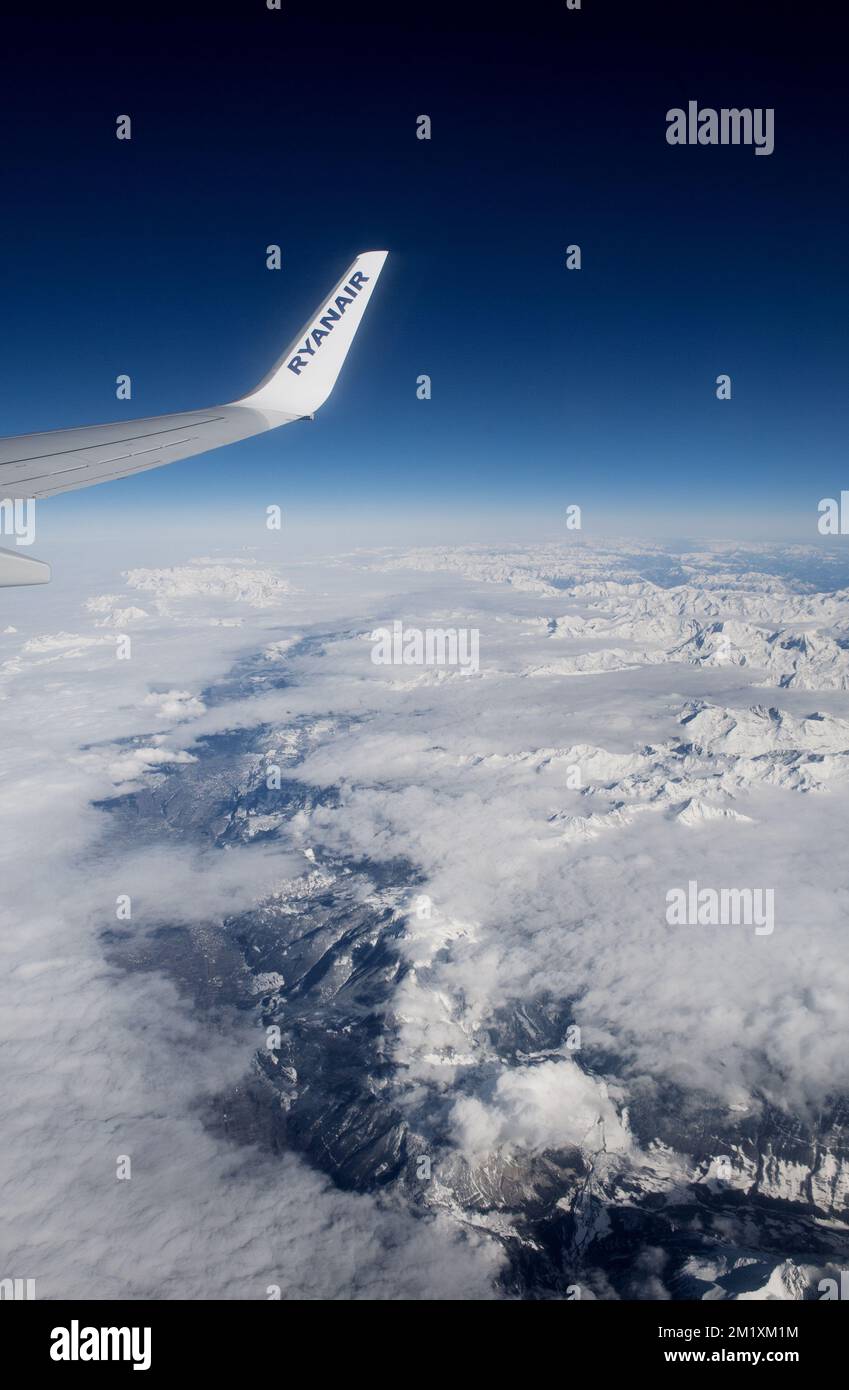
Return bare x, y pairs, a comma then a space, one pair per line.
550, 387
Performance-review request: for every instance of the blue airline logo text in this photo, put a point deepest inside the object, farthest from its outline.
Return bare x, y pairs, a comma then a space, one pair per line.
325, 324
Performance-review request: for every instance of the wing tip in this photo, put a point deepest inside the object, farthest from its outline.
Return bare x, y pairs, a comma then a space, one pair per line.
17, 570
313, 376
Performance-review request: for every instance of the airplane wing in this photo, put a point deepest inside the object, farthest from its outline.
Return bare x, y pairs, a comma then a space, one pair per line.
41, 465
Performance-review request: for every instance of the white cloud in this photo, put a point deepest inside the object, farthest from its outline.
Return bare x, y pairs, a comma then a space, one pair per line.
175, 705
551, 1105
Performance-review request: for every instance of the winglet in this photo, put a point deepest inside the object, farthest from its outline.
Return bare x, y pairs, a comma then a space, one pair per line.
16, 568
302, 379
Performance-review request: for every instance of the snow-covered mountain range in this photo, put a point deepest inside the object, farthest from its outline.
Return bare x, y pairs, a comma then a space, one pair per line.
447, 915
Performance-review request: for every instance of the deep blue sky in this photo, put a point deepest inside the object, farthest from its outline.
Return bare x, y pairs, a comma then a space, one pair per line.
549, 387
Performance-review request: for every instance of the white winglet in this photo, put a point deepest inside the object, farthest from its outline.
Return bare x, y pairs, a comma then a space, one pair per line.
302, 379
16, 569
